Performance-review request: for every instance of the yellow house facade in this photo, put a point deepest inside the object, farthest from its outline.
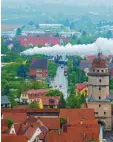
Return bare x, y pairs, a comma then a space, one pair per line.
82, 88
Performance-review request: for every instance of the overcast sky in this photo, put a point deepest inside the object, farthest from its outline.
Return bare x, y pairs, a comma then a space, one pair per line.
76, 2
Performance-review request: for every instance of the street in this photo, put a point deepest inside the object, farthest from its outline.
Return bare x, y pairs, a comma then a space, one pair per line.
60, 82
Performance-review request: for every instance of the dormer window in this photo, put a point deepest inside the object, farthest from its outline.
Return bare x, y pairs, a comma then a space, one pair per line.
25, 39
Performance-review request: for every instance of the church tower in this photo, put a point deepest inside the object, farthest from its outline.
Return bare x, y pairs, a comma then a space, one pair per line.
98, 92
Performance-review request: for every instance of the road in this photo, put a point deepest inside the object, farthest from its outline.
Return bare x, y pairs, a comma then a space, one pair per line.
60, 79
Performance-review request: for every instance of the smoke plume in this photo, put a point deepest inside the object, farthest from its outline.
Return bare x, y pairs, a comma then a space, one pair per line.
101, 45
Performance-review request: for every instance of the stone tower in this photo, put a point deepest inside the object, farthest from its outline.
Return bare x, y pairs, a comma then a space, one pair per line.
98, 92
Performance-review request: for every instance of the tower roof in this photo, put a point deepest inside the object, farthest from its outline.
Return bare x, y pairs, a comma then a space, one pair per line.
99, 62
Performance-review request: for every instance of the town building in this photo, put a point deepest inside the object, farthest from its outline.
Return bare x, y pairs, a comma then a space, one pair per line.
82, 89
40, 125
38, 69
29, 96
5, 102
98, 92
28, 41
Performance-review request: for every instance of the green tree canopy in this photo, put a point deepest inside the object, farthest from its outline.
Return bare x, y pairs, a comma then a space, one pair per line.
18, 31
33, 105
10, 123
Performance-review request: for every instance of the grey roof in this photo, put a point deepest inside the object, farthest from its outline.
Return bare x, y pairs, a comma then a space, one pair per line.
110, 66
5, 100
85, 64
39, 64
93, 99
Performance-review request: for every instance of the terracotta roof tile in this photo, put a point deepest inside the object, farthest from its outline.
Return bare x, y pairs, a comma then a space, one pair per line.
71, 115
13, 138
81, 86
36, 93
46, 100
51, 123
16, 117
35, 41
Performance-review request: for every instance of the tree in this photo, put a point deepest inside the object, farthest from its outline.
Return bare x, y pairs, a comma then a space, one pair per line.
111, 84
67, 23
10, 123
31, 23
52, 67
33, 105
21, 71
4, 48
62, 122
74, 101
12, 99
72, 26
18, 31
54, 92
84, 33
109, 34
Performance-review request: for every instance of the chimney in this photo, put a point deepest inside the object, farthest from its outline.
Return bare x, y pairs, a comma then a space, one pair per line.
59, 132
67, 119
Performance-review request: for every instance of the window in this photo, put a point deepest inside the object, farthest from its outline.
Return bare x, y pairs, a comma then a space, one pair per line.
96, 112
102, 70
99, 88
104, 113
93, 70
99, 80
99, 97
99, 105
97, 70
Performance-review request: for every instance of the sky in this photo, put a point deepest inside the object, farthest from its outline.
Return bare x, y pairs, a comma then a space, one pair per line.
76, 2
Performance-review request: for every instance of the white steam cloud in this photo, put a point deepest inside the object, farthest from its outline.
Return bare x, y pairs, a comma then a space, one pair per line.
102, 44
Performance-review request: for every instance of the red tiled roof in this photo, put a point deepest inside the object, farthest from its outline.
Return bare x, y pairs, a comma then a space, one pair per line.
71, 115
35, 41
51, 123
81, 86
78, 133
90, 57
26, 110
4, 126
13, 138
16, 117
45, 100
38, 92
30, 131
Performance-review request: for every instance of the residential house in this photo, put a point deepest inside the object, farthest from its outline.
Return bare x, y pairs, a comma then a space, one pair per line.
30, 95
5, 102
37, 41
42, 125
82, 88
79, 133
38, 68
39, 97
85, 65
48, 101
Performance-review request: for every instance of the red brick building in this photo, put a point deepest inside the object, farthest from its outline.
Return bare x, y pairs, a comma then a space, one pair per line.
38, 68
